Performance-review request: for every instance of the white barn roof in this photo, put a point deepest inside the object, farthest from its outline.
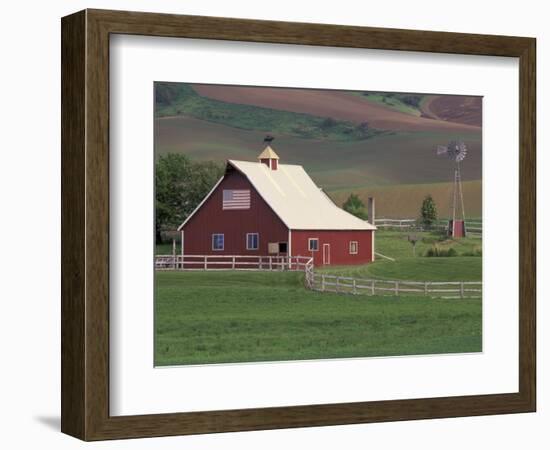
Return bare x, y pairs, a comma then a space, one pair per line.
295, 198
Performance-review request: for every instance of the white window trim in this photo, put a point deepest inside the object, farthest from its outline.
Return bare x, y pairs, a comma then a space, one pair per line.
356, 247
223, 242
257, 242
309, 244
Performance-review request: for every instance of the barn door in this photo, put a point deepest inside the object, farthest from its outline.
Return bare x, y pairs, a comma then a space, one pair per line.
326, 254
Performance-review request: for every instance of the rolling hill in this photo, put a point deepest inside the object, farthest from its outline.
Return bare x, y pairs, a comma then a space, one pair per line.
328, 103
395, 160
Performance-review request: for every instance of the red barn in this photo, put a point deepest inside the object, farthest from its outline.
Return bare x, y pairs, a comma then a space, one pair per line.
268, 208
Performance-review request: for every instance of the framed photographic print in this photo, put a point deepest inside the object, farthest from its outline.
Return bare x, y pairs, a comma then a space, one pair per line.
270, 224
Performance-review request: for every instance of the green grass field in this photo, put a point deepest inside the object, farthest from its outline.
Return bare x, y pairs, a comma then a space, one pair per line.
224, 317
395, 244
458, 268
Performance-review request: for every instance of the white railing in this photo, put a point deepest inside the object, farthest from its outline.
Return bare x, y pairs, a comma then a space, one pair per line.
395, 223
232, 262
473, 227
349, 285
320, 281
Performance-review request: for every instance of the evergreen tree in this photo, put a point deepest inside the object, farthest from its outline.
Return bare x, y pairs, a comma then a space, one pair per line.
354, 205
428, 211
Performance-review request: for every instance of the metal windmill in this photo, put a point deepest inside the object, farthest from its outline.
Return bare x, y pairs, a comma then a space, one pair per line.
456, 151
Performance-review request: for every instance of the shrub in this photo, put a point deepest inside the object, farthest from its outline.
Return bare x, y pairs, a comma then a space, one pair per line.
435, 251
475, 252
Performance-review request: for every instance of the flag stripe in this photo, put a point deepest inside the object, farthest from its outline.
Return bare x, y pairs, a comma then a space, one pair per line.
236, 199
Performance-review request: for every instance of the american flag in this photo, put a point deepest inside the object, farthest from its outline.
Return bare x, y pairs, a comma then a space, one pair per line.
236, 199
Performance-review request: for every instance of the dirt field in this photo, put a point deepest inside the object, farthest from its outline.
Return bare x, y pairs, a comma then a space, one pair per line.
336, 104
403, 201
398, 158
454, 108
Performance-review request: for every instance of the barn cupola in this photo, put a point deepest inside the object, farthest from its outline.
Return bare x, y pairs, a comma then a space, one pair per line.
269, 158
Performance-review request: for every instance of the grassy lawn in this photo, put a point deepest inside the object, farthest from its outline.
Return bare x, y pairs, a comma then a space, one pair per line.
215, 317
457, 268
396, 245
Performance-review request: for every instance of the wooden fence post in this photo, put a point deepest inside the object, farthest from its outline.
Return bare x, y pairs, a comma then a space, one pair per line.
354, 287
233, 263
205, 262
397, 288
372, 287
337, 284
174, 254
425, 288
322, 282
462, 289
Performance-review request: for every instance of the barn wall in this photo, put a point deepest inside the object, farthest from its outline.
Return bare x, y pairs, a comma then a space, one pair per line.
339, 246
234, 224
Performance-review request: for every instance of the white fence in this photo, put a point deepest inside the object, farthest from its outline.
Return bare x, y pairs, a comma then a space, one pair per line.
396, 223
320, 281
474, 228
349, 285
231, 262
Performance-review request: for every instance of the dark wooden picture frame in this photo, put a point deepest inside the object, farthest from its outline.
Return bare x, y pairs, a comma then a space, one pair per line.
85, 224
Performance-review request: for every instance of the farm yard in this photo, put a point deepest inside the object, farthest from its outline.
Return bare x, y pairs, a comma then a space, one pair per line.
233, 316
288, 277
225, 317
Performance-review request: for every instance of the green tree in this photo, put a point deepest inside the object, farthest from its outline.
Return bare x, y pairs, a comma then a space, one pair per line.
354, 205
428, 211
180, 185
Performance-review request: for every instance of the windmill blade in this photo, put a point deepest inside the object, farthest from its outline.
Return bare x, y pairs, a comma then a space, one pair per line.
455, 150
461, 156
460, 152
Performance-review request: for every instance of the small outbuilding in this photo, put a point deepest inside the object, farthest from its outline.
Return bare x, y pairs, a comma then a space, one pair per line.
267, 208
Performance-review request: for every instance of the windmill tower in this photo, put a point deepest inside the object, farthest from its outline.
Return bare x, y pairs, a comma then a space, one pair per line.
456, 152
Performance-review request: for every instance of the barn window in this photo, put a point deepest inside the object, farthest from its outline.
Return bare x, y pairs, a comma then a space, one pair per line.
353, 247
217, 242
313, 244
252, 241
